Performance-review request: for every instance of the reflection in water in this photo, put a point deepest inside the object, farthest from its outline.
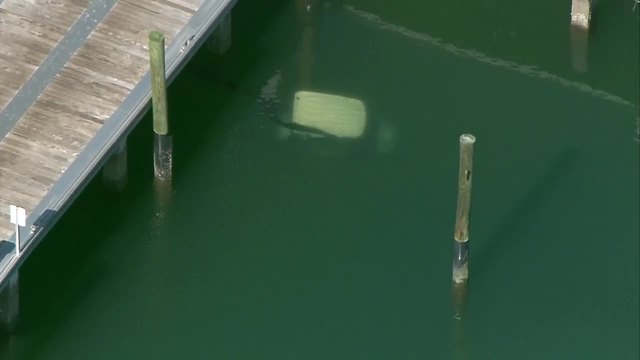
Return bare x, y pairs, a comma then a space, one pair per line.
386, 137
9, 307
579, 46
268, 100
160, 255
9, 302
11, 347
306, 11
460, 346
163, 193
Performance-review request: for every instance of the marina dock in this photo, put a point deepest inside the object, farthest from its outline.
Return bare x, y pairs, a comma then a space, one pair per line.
73, 83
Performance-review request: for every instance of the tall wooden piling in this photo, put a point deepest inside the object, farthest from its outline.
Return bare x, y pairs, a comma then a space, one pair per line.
461, 246
461, 233
163, 142
580, 22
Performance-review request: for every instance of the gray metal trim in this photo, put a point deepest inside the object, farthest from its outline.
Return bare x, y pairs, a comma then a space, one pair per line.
53, 63
124, 119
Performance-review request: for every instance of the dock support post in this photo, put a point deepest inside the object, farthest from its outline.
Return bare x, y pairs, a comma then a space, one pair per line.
580, 22
461, 246
114, 172
10, 302
220, 41
162, 142
461, 234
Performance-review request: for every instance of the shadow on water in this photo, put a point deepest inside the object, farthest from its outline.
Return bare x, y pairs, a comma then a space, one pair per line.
72, 265
506, 236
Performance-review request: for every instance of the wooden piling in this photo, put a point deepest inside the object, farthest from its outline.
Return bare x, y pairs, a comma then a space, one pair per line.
580, 22
114, 173
461, 233
581, 13
163, 142
461, 246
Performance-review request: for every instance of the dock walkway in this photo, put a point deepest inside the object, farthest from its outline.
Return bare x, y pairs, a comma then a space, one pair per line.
73, 82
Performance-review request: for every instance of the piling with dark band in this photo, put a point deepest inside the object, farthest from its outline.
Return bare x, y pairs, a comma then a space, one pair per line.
163, 156
163, 143
461, 234
460, 261
461, 242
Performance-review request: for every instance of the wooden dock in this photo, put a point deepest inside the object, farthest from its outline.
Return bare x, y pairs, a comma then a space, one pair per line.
73, 82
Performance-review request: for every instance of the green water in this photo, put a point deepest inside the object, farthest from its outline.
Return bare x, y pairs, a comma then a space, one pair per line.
298, 248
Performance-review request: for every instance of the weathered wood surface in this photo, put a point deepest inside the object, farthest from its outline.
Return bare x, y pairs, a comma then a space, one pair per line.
82, 96
28, 32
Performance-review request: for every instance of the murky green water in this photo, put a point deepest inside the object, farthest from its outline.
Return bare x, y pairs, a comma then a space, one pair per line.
304, 248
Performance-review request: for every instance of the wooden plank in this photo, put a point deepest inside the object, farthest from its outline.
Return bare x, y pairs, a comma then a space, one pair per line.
190, 5
48, 157
27, 40
60, 13
82, 96
18, 162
